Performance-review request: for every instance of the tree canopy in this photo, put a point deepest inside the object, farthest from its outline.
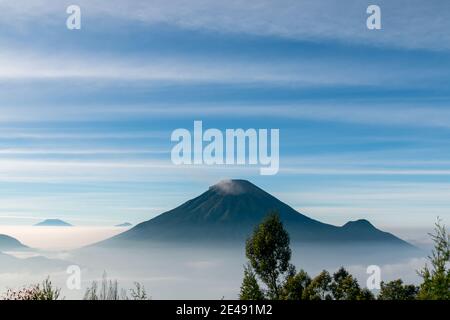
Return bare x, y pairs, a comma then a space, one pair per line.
269, 257
269, 254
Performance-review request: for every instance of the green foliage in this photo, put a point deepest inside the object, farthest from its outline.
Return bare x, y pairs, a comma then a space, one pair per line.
396, 290
269, 261
42, 291
366, 294
295, 285
250, 289
269, 254
436, 281
319, 288
46, 291
346, 287
341, 286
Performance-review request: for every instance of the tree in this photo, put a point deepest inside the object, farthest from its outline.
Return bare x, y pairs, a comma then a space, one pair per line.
436, 281
344, 286
319, 288
295, 286
269, 254
250, 289
366, 294
396, 290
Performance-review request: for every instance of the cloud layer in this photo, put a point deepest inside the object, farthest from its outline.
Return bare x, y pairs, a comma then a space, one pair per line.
409, 24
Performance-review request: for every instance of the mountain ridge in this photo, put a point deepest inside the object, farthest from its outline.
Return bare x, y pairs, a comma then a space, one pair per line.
229, 210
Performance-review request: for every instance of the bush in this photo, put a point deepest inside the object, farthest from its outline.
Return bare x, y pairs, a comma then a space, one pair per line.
42, 291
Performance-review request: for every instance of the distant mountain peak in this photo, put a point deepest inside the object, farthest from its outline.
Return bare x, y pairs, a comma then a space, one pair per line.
360, 223
53, 223
234, 187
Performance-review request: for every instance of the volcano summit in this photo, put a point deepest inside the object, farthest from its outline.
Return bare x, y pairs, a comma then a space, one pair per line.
229, 211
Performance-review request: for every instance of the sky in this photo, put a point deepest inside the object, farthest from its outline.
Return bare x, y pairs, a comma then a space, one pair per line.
86, 115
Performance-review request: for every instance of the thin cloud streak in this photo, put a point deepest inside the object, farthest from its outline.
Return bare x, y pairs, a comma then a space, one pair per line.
71, 152
129, 170
364, 172
184, 69
33, 134
340, 112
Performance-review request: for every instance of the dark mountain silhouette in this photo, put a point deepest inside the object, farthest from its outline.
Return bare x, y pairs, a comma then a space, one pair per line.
53, 223
9, 243
230, 210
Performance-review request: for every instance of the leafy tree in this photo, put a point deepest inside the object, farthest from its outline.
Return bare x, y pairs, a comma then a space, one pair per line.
295, 285
344, 286
366, 294
396, 290
250, 289
319, 288
436, 281
269, 254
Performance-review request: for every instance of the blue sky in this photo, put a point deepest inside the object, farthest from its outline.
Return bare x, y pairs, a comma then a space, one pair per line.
86, 116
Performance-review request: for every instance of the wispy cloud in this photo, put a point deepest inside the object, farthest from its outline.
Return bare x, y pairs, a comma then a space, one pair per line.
410, 24
94, 67
364, 172
75, 152
370, 113
31, 133
93, 110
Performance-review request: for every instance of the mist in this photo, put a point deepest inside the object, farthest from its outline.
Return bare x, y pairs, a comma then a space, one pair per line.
177, 272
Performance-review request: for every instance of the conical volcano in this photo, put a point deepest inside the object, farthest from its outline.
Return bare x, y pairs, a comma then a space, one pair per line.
231, 202
229, 210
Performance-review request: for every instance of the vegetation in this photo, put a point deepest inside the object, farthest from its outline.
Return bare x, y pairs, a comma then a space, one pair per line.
269, 254
346, 287
295, 286
270, 275
319, 288
109, 290
40, 291
436, 281
250, 289
105, 290
396, 290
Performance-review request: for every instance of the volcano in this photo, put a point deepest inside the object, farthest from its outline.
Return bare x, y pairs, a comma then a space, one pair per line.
53, 223
230, 210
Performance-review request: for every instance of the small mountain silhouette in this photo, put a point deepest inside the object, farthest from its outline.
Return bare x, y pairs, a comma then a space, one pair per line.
231, 209
53, 223
8, 243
